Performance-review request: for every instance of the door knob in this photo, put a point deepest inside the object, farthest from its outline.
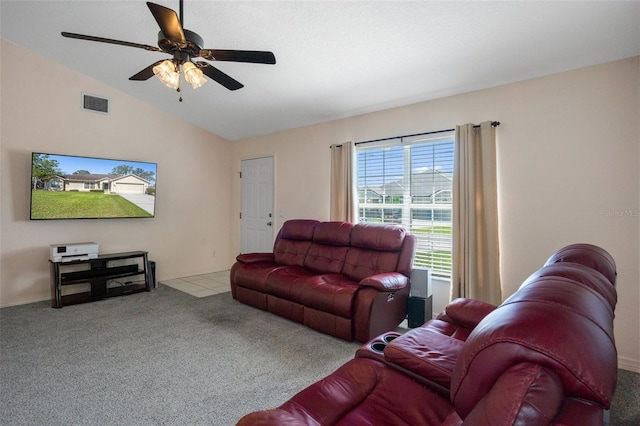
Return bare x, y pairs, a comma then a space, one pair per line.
268, 223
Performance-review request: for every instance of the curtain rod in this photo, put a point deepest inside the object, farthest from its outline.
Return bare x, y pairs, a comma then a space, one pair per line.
493, 124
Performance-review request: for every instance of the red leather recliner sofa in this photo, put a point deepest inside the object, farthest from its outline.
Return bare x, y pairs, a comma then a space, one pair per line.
545, 356
347, 280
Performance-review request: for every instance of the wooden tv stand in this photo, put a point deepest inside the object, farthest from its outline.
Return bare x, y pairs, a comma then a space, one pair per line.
108, 275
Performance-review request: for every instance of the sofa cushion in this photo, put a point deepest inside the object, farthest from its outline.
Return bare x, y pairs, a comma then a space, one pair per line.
333, 233
325, 259
329, 247
331, 293
571, 296
293, 241
374, 249
362, 263
378, 237
287, 282
588, 255
587, 277
298, 229
290, 252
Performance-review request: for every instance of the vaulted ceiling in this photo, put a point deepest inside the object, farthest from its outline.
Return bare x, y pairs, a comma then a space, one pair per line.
334, 58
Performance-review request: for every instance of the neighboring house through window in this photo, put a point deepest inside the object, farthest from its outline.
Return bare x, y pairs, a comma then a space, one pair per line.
408, 182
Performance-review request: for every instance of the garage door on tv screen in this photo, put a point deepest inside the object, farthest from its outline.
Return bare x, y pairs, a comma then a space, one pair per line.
73, 187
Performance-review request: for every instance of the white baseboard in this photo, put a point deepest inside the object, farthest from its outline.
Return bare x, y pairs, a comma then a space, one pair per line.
629, 364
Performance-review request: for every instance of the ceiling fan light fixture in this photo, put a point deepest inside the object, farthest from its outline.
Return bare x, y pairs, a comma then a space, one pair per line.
193, 74
167, 73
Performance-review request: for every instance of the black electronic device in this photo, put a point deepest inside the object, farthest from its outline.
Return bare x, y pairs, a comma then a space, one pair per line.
419, 310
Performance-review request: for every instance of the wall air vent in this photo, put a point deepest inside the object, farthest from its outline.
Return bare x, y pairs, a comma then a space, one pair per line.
94, 103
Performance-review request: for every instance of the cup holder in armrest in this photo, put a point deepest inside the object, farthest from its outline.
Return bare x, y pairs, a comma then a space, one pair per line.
388, 338
375, 348
378, 346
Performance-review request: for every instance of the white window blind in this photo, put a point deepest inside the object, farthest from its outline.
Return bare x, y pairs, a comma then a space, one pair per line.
409, 183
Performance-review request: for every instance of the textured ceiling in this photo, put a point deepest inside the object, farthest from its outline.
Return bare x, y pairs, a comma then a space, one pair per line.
334, 58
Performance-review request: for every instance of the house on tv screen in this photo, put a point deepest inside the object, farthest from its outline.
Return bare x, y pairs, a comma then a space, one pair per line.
118, 184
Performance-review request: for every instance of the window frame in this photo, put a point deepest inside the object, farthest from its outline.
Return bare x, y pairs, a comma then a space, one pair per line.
433, 231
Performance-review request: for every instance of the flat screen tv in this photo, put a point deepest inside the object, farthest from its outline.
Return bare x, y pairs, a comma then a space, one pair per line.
72, 187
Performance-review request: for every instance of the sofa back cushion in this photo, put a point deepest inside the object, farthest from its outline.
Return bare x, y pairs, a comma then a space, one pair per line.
580, 274
374, 249
329, 247
572, 340
571, 296
588, 255
293, 242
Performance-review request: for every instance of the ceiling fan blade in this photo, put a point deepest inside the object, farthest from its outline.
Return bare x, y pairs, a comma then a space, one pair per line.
146, 73
253, 56
217, 75
110, 41
169, 23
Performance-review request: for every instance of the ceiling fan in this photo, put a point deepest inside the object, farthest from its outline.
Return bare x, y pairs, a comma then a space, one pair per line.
184, 45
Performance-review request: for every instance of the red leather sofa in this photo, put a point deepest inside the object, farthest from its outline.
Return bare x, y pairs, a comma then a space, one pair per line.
546, 355
349, 281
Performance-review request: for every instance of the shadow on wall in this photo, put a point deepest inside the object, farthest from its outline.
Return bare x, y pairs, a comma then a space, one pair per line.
30, 279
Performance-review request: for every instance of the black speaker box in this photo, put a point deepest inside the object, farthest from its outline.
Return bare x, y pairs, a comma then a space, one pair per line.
420, 310
152, 269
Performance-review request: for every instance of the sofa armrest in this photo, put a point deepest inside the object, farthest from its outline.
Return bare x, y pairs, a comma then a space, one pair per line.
526, 393
387, 281
576, 411
255, 257
427, 353
468, 312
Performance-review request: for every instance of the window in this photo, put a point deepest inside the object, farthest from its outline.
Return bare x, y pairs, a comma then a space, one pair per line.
409, 183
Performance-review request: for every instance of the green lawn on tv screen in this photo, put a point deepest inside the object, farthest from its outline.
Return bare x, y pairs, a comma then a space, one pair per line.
81, 205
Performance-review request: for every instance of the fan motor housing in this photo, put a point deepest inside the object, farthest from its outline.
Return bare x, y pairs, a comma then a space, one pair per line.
194, 43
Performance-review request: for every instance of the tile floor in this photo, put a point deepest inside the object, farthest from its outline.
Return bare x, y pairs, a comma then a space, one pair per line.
202, 285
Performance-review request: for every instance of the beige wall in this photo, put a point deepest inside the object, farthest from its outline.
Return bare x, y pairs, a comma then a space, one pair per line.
41, 112
568, 153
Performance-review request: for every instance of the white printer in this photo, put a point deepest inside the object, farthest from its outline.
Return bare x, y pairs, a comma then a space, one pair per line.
74, 251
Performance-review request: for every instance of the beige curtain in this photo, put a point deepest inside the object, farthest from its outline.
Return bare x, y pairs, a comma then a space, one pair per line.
343, 202
476, 254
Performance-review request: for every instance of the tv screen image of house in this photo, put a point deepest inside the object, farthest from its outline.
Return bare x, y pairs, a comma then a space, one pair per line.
73, 187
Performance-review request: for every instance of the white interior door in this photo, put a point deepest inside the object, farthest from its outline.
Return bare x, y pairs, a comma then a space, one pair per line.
256, 216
